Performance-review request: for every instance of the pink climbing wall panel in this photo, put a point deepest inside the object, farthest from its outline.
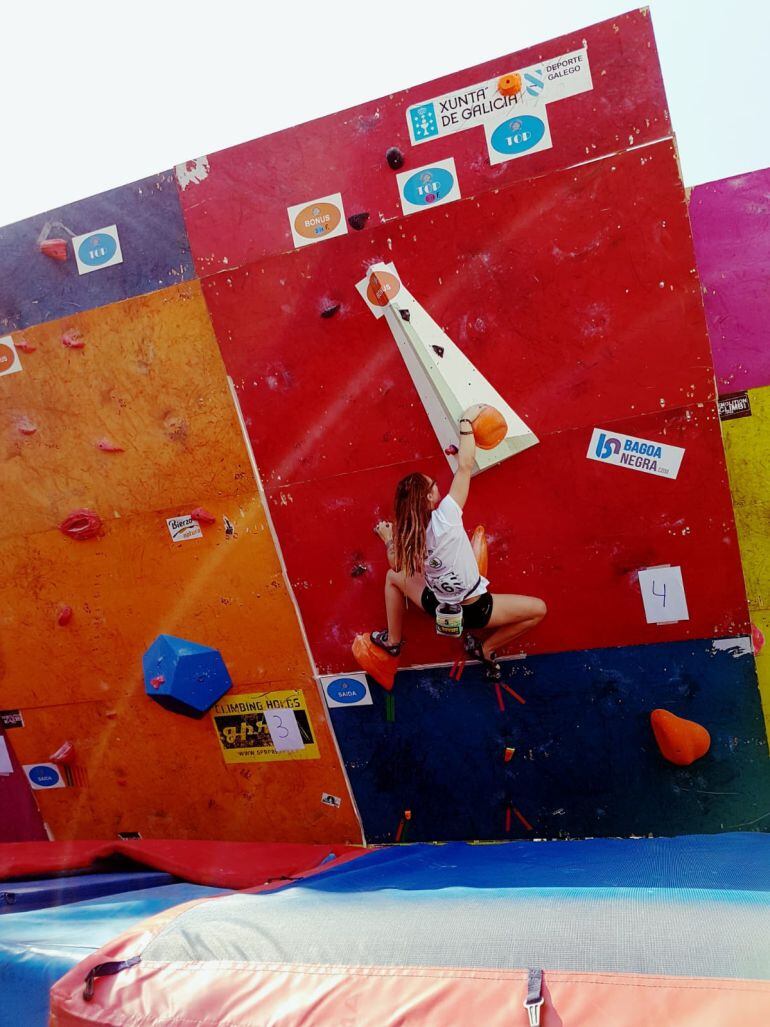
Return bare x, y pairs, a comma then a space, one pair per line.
732, 243
235, 201
575, 295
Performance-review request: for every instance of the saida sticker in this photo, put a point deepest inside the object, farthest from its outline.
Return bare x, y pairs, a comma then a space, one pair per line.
241, 724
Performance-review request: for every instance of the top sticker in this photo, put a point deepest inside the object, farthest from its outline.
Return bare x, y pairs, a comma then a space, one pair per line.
461, 109
429, 186
97, 249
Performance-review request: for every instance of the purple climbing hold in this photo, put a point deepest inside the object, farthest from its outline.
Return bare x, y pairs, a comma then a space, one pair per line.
452, 450
405, 315
357, 221
328, 312
358, 570
438, 350
394, 157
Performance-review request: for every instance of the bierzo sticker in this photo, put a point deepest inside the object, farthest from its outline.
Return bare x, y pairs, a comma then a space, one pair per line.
244, 732
183, 528
98, 249
429, 186
635, 454
317, 220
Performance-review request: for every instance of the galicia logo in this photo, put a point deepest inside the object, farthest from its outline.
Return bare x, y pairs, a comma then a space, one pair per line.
517, 135
424, 123
606, 448
97, 250
428, 186
346, 691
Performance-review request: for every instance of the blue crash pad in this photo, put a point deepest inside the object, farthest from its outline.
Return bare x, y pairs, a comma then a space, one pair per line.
20, 896
39, 946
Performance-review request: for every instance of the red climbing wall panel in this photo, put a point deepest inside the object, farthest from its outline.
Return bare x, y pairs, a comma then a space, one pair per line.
575, 295
235, 208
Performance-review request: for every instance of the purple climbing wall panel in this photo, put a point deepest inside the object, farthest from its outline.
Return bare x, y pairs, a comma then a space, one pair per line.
40, 276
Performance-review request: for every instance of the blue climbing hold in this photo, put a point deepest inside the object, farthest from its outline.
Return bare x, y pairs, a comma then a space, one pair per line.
184, 677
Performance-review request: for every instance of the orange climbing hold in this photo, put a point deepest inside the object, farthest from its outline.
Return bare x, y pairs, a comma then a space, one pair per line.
489, 428
680, 741
480, 549
375, 661
509, 85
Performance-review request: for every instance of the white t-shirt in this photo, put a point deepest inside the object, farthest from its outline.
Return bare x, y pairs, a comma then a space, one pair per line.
450, 566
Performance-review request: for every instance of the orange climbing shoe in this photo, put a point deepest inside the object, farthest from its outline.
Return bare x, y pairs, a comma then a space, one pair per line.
680, 741
375, 660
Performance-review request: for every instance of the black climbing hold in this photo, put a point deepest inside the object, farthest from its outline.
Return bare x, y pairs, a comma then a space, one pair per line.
358, 570
330, 311
438, 349
357, 221
405, 315
394, 157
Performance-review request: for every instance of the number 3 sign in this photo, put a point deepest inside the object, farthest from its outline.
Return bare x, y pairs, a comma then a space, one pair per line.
284, 730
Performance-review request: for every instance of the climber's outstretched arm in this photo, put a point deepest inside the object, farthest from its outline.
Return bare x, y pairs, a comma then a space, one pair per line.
461, 482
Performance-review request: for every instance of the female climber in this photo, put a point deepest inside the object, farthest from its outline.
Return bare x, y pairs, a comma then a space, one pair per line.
432, 563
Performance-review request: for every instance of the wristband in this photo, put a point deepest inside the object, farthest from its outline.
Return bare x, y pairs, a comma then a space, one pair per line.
465, 420
466, 433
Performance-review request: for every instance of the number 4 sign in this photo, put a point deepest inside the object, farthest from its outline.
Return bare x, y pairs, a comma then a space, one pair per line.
284, 730
663, 595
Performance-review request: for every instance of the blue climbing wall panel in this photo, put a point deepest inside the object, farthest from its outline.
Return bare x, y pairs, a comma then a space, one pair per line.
585, 759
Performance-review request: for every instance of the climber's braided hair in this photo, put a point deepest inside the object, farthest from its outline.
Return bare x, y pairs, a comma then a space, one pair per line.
412, 517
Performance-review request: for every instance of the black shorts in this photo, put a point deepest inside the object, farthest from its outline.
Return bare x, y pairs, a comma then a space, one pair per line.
475, 615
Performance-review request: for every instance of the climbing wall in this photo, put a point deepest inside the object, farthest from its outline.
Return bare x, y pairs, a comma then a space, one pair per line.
124, 409
551, 244
729, 221
531, 211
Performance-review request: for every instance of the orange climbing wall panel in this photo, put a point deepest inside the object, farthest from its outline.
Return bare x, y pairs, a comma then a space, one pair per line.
149, 378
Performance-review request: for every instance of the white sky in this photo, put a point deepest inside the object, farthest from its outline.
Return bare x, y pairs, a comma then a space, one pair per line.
97, 94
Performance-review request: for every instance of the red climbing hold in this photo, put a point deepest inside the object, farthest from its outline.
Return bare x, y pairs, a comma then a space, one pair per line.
757, 640
109, 447
64, 754
26, 427
202, 516
23, 346
680, 741
158, 681
64, 616
73, 339
375, 661
81, 525
452, 450
56, 249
